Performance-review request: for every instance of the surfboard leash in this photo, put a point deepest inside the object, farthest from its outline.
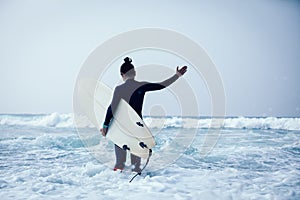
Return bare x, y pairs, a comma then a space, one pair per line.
139, 173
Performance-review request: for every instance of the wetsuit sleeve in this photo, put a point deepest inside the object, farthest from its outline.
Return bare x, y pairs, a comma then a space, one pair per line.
161, 85
112, 108
108, 117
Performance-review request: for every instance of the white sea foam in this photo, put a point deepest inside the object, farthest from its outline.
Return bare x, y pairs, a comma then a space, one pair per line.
42, 120
230, 122
246, 163
67, 120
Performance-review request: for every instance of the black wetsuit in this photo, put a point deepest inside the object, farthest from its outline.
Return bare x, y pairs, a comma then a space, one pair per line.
133, 92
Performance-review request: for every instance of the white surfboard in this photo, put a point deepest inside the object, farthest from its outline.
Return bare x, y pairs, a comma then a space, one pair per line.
127, 129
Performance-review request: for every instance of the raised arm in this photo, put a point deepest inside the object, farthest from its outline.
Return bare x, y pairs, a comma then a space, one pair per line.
179, 72
166, 83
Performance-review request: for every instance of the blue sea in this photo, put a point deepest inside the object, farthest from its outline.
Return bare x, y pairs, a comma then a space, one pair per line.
43, 157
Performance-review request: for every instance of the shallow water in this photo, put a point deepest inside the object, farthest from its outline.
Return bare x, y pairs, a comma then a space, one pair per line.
51, 162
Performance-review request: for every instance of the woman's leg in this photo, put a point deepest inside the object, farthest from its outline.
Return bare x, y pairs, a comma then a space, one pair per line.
120, 158
136, 163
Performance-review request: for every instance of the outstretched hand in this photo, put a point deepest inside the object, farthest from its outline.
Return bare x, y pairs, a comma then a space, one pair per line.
103, 131
181, 71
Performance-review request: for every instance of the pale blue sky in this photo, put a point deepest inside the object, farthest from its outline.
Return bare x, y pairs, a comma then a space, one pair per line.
254, 44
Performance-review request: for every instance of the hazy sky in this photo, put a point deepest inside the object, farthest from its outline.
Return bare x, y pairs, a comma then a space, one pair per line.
254, 44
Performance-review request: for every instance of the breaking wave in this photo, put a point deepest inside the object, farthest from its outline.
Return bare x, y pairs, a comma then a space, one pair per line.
66, 121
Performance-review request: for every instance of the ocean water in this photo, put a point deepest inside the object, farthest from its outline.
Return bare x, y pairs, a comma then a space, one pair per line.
42, 157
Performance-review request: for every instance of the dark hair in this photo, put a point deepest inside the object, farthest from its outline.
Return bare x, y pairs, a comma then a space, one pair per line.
126, 66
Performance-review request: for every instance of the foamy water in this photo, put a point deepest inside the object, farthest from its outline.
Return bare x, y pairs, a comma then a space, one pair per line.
66, 121
42, 157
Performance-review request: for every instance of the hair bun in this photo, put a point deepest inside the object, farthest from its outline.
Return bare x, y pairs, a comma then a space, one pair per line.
127, 60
